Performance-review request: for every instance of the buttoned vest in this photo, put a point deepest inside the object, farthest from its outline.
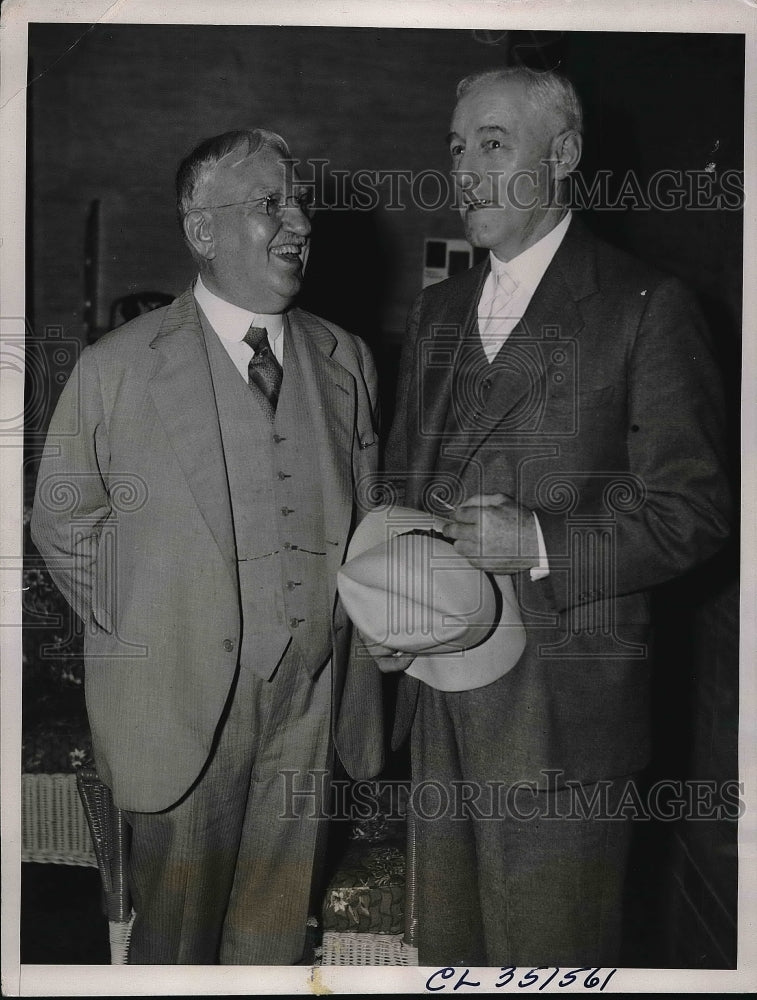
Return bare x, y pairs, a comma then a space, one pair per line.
277, 510
476, 404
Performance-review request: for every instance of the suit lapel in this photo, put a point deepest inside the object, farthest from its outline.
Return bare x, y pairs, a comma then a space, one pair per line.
531, 353
437, 352
182, 392
330, 391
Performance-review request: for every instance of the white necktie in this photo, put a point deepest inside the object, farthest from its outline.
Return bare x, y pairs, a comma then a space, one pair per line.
495, 319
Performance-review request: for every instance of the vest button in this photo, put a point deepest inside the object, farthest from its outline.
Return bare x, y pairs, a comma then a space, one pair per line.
294, 622
228, 645
278, 438
486, 384
287, 510
291, 584
284, 475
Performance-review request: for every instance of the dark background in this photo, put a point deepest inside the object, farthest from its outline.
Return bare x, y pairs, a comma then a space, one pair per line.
113, 109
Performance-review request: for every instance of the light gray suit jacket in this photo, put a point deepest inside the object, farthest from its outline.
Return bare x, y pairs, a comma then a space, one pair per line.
133, 517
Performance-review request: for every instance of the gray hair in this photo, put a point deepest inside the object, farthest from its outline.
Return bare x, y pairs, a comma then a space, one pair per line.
196, 170
549, 92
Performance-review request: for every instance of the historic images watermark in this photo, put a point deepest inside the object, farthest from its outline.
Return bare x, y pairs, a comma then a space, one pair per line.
396, 190
311, 795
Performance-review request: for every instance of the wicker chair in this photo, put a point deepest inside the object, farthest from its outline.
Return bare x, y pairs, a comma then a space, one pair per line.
369, 908
110, 838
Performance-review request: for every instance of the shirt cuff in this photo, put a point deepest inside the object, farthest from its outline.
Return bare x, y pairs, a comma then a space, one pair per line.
541, 570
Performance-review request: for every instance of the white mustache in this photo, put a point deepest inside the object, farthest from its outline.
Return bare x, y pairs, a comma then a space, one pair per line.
478, 202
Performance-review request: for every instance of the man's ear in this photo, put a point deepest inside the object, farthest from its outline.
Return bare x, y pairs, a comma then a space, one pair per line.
199, 233
566, 153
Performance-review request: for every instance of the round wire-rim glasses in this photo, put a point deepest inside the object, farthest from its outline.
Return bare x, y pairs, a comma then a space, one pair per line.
273, 204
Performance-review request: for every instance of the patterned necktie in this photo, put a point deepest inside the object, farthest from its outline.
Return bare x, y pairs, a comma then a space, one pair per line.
264, 373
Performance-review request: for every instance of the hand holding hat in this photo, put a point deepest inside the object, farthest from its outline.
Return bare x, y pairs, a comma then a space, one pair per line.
494, 533
389, 661
407, 589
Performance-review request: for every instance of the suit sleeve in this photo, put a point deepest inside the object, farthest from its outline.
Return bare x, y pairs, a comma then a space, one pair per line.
673, 510
396, 462
358, 724
71, 500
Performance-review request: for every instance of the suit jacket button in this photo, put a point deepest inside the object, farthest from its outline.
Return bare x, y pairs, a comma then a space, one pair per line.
294, 622
228, 645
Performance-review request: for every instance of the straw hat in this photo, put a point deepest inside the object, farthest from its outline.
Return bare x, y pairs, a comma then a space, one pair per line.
405, 587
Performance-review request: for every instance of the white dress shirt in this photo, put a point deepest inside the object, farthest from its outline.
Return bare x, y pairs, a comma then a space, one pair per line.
524, 272
232, 322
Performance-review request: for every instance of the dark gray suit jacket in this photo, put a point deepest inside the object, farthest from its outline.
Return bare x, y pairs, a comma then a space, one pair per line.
603, 414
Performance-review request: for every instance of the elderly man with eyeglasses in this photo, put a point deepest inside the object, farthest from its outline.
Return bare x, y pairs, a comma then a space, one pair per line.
217, 654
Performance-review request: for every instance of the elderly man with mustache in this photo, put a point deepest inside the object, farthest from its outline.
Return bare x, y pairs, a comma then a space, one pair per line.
562, 399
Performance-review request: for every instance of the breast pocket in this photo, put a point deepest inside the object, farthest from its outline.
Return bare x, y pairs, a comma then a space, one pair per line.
585, 398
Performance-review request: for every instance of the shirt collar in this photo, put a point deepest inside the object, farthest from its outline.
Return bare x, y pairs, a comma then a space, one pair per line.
527, 269
232, 322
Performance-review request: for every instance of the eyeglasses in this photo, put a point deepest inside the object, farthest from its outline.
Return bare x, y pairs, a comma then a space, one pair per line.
273, 205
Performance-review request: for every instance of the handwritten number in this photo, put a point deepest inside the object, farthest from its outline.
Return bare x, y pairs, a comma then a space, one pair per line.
548, 981
507, 975
531, 976
570, 977
508, 972
607, 980
591, 981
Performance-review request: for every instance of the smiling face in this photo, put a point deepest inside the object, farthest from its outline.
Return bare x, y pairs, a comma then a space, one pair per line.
499, 142
250, 258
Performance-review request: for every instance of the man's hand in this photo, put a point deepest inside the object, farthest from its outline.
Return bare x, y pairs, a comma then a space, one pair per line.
389, 660
494, 533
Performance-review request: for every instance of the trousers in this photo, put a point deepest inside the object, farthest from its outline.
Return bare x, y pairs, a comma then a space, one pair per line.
508, 875
225, 875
